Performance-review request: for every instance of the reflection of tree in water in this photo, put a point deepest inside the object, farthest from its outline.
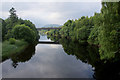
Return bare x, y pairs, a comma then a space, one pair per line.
90, 54
108, 71
84, 52
24, 56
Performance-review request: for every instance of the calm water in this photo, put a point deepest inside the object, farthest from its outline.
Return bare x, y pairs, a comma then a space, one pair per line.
48, 61
65, 60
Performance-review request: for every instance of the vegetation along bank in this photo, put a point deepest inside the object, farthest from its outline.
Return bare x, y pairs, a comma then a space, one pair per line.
17, 34
102, 29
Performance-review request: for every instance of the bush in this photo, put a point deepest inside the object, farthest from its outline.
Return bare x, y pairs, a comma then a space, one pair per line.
24, 32
12, 40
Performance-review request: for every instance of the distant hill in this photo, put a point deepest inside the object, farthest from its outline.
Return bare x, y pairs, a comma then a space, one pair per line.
52, 25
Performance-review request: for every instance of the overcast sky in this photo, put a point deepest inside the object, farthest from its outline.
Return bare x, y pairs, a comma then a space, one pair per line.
42, 13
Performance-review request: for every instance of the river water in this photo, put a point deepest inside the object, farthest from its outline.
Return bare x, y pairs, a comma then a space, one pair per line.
46, 61
65, 60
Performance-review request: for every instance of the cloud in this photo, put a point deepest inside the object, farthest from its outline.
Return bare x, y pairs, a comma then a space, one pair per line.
55, 15
51, 0
42, 13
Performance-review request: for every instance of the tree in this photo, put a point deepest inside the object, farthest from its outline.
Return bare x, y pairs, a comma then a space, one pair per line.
3, 28
31, 25
13, 17
109, 30
93, 37
23, 32
102, 29
12, 20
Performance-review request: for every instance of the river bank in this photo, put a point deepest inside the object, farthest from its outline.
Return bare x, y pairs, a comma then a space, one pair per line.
11, 49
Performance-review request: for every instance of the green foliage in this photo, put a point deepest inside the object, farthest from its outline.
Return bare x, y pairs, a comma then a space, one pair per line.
0, 30
68, 27
8, 35
23, 32
102, 29
77, 30
51, 32
12, 40
10, 49
12, 21
54, 32
108, 34
3, 28
31, 25
43, 32
13, 17
93, 37
82, 33
16, 34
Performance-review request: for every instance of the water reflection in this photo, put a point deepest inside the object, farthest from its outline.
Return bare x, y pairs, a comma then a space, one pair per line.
84, 52
90, 54
44, 38
49, 61
68, 60
23, 56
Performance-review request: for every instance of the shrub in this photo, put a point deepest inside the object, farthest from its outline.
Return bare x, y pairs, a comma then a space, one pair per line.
24, 32
12, 40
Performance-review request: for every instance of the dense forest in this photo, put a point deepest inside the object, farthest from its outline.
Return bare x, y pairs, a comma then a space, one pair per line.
16, 34
102, 30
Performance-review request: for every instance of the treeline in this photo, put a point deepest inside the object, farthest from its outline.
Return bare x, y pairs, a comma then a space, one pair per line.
102, 29
17, 28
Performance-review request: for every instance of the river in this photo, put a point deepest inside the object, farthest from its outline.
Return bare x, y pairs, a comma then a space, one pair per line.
65, 60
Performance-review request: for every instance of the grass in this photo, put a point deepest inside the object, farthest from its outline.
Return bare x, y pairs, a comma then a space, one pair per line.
11, 49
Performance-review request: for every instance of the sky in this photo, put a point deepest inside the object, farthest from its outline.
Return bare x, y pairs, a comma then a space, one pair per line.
50, 12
